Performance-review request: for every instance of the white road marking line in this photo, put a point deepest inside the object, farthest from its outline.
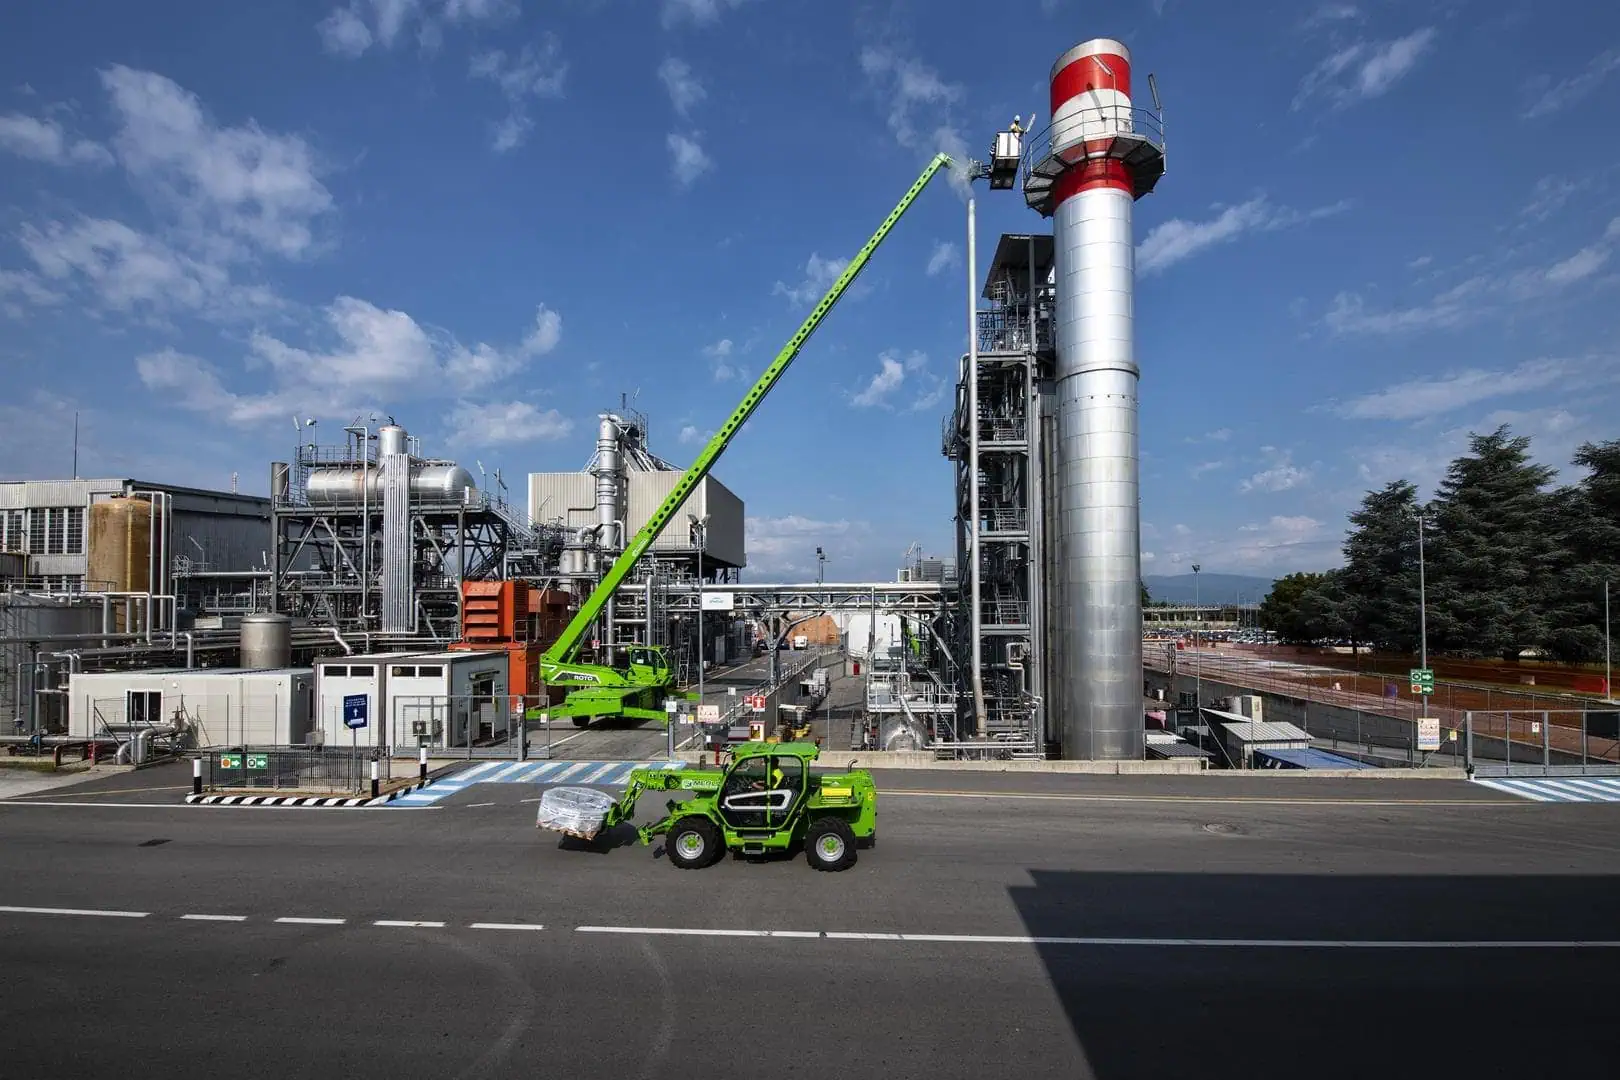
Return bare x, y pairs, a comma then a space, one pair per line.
215, 918
75, 911
1254, 800
473, 804
194, 806
1106, 942
571, 738
311, 922
570, 771
473, 773
504, 926
510, 770
606, 768
408, 923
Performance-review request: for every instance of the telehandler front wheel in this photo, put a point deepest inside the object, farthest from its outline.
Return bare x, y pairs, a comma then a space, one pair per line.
829, 844
694, 844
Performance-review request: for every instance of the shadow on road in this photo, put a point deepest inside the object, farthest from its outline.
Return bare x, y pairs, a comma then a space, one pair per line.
1311, 1011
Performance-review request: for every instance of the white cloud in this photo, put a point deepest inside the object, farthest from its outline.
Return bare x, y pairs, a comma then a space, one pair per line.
684, 89
1178, 239
1205, 467
895, 371
29, 287
45, 140
1332, 13
372, 353
1418, 398
819, 275
501, 423
787, 545
944, 257
1547, 97
1218, 435
696, 12
1364, 69
1281, 475
1281, 544
354, 28
537, 71
920, 105
691, 433
720, 355
687, 159
227, 185
128, 270
1549, 196
1478, 296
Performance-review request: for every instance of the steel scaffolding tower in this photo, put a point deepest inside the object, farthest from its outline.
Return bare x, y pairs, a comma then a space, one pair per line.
1015, 418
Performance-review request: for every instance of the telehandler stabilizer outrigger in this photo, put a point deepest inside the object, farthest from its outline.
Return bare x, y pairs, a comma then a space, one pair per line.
766, 800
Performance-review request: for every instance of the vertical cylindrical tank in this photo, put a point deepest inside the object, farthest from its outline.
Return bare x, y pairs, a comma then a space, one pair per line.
48, 623
610, 480
119, 553
266, 641
391, 439
1098, 535
280, 482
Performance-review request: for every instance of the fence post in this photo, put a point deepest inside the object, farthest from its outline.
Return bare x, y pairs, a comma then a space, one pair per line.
374, 783
196, 775
1468, 742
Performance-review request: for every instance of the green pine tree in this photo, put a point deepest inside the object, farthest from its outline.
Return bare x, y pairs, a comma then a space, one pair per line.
1380, 575
1494, 556
1588, 526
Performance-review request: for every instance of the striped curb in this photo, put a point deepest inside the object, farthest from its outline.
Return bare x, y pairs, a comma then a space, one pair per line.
322, 802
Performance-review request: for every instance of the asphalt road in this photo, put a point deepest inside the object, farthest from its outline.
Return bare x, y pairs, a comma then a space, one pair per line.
991, 935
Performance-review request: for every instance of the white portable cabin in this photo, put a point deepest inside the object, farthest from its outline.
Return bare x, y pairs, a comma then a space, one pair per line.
224, 706
449, 698
414, 699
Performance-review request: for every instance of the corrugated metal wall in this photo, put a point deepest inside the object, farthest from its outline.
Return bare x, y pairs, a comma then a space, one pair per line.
552, 494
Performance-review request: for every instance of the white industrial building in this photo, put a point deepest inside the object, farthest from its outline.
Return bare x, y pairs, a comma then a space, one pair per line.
414, 699
221, 706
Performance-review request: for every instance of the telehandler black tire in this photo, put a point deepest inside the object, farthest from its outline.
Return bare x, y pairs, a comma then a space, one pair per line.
829, 844
694, 843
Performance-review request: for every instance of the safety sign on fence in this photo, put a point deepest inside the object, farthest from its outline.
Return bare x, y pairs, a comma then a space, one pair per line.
755, 702
1428, 732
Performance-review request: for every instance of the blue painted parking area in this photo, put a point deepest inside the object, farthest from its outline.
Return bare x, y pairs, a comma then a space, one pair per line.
590, 773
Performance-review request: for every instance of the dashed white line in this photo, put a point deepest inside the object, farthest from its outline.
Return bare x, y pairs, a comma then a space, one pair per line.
408, 922
93, 912
215, 918
311, 922
504, 926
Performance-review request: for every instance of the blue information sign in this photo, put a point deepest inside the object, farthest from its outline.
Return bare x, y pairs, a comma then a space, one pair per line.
354, 710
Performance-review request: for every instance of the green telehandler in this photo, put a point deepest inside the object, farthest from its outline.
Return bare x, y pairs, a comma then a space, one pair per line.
766, 800
637, 686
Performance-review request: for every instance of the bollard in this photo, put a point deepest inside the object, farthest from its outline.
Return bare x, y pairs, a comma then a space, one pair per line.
422, 766
196, 776
375, 787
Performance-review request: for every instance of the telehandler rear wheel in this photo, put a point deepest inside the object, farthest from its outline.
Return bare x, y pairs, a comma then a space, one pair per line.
694, 844
829, 844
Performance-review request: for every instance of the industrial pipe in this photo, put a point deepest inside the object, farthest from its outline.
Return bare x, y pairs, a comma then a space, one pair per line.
977, 659
191, 650
338, 637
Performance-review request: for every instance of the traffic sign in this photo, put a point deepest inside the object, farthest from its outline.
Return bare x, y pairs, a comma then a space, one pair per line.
1422, 680
355, 710
258, 761
672, 706
755, 702
230, 761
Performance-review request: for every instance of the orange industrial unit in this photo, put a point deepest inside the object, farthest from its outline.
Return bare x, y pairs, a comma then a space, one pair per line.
516, 618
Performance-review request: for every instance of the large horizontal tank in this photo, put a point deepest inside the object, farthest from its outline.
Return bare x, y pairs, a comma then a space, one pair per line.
266, 642
349, 486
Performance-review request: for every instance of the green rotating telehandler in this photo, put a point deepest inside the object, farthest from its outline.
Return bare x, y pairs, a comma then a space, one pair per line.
767, 800
638, 689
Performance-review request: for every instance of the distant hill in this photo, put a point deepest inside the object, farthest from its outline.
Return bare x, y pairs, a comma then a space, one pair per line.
1209, 588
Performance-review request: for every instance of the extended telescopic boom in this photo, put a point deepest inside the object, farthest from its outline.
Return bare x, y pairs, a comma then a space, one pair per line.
566, 647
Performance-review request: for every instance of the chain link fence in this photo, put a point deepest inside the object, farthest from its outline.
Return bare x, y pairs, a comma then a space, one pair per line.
1550, 742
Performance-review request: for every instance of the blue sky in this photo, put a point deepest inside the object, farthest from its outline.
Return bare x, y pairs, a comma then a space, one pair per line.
1384, 225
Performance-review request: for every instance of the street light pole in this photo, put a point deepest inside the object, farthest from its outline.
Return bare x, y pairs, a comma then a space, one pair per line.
700, 526
1423, 611
821, 565
1198, 658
